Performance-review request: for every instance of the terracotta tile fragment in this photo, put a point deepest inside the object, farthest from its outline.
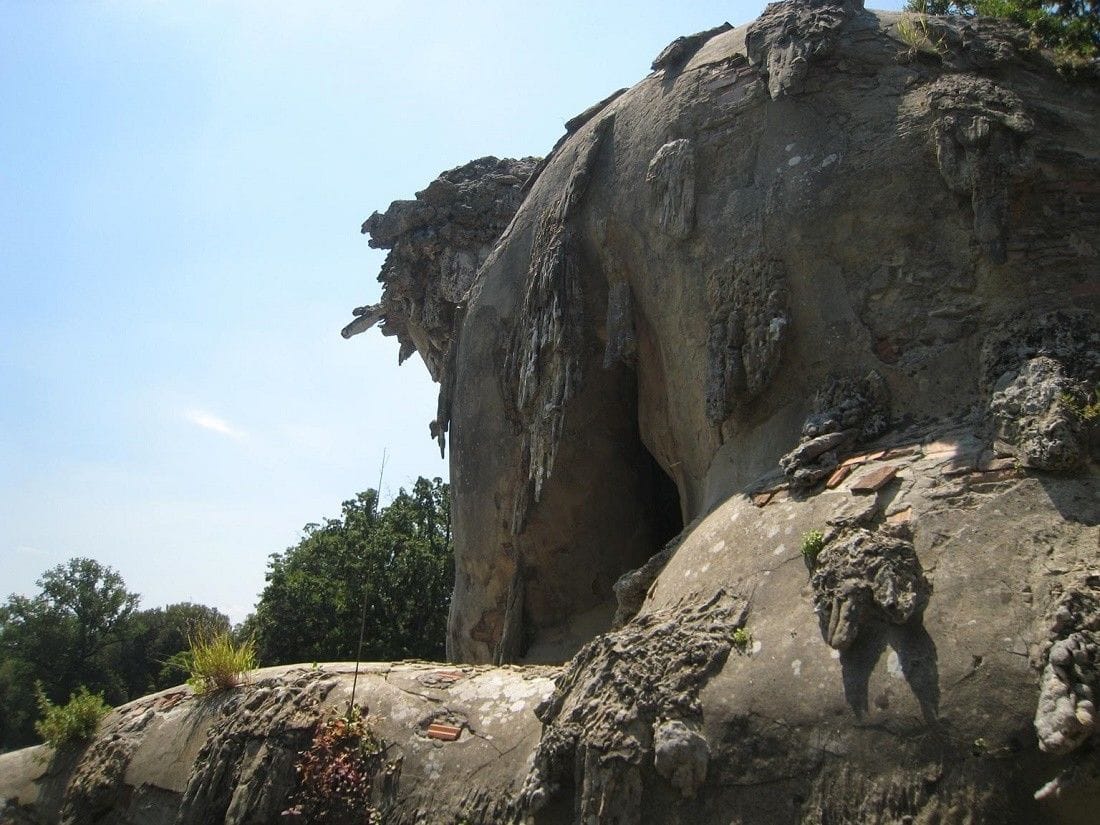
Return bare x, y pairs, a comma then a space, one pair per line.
446, 733
901, 452
976, 481
875, 480
941, 449
862, 458
901, 516
839, 474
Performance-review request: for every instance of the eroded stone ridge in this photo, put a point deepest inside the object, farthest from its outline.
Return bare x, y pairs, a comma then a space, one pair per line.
788, 37
748, 329
981, 133
437, 242
245, 771
1066, 714
671, 178
627, 694
847, 411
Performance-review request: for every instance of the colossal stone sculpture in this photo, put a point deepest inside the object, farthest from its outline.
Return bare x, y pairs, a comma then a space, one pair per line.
807, 277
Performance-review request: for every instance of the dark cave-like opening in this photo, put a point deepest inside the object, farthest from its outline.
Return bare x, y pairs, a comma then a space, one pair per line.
667, 512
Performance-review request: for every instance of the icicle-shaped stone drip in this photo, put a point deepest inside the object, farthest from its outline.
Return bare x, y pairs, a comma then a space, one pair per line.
544, 364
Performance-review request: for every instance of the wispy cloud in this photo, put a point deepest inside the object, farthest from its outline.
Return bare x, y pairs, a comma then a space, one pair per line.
209, 421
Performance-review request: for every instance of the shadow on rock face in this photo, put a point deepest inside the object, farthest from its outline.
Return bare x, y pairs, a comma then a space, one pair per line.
912, 656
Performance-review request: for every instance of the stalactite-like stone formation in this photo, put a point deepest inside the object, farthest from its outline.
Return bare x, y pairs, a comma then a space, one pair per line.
748, 328
671, 178
980, 133
544, 362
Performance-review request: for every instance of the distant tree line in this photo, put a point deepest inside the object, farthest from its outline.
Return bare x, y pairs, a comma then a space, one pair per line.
389, 569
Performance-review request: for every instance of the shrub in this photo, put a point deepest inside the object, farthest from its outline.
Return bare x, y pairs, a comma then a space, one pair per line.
71, 723
216, 662
336, 773
813, 543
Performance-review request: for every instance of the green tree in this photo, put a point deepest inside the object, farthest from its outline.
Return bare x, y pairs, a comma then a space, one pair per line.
64, 637
396, 560
1070, 27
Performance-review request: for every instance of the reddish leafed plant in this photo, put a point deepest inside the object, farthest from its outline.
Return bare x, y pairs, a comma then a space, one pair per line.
336, 773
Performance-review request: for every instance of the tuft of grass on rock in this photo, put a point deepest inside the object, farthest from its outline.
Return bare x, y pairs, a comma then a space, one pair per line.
742, 639
216, 662
813, 542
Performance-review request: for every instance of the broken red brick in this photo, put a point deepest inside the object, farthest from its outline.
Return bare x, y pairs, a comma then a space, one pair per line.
446, 733
941, 449
874, 480
839, 474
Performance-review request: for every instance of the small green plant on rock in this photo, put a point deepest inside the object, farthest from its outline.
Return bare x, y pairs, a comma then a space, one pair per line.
1087, 411
813, 542
216, 662
742, 639
337, 772
74, 722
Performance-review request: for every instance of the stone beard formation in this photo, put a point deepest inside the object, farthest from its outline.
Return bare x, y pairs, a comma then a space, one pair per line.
772, 399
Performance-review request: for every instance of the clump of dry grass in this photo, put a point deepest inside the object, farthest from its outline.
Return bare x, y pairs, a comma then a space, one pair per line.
217, 662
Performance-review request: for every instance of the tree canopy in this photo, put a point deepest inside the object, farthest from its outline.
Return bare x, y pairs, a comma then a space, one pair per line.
84, 629
396, 561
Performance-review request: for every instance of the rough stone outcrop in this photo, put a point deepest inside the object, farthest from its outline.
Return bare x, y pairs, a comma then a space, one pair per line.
437, 242
807, 276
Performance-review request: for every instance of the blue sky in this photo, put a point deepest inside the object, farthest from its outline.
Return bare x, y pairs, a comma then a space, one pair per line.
181, 189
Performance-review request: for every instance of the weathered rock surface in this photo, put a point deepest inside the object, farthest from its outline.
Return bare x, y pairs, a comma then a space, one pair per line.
803, 277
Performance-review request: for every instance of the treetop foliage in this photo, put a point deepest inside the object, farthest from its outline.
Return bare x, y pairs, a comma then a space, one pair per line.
397, 561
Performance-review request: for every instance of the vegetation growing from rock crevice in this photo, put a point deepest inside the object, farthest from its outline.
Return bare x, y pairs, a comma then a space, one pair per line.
216, 661
73, 722
813, 542
1070, 27
336, 773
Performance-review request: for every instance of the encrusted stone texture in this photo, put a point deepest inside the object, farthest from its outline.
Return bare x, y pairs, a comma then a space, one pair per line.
863, 576
886, 276
624, 706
